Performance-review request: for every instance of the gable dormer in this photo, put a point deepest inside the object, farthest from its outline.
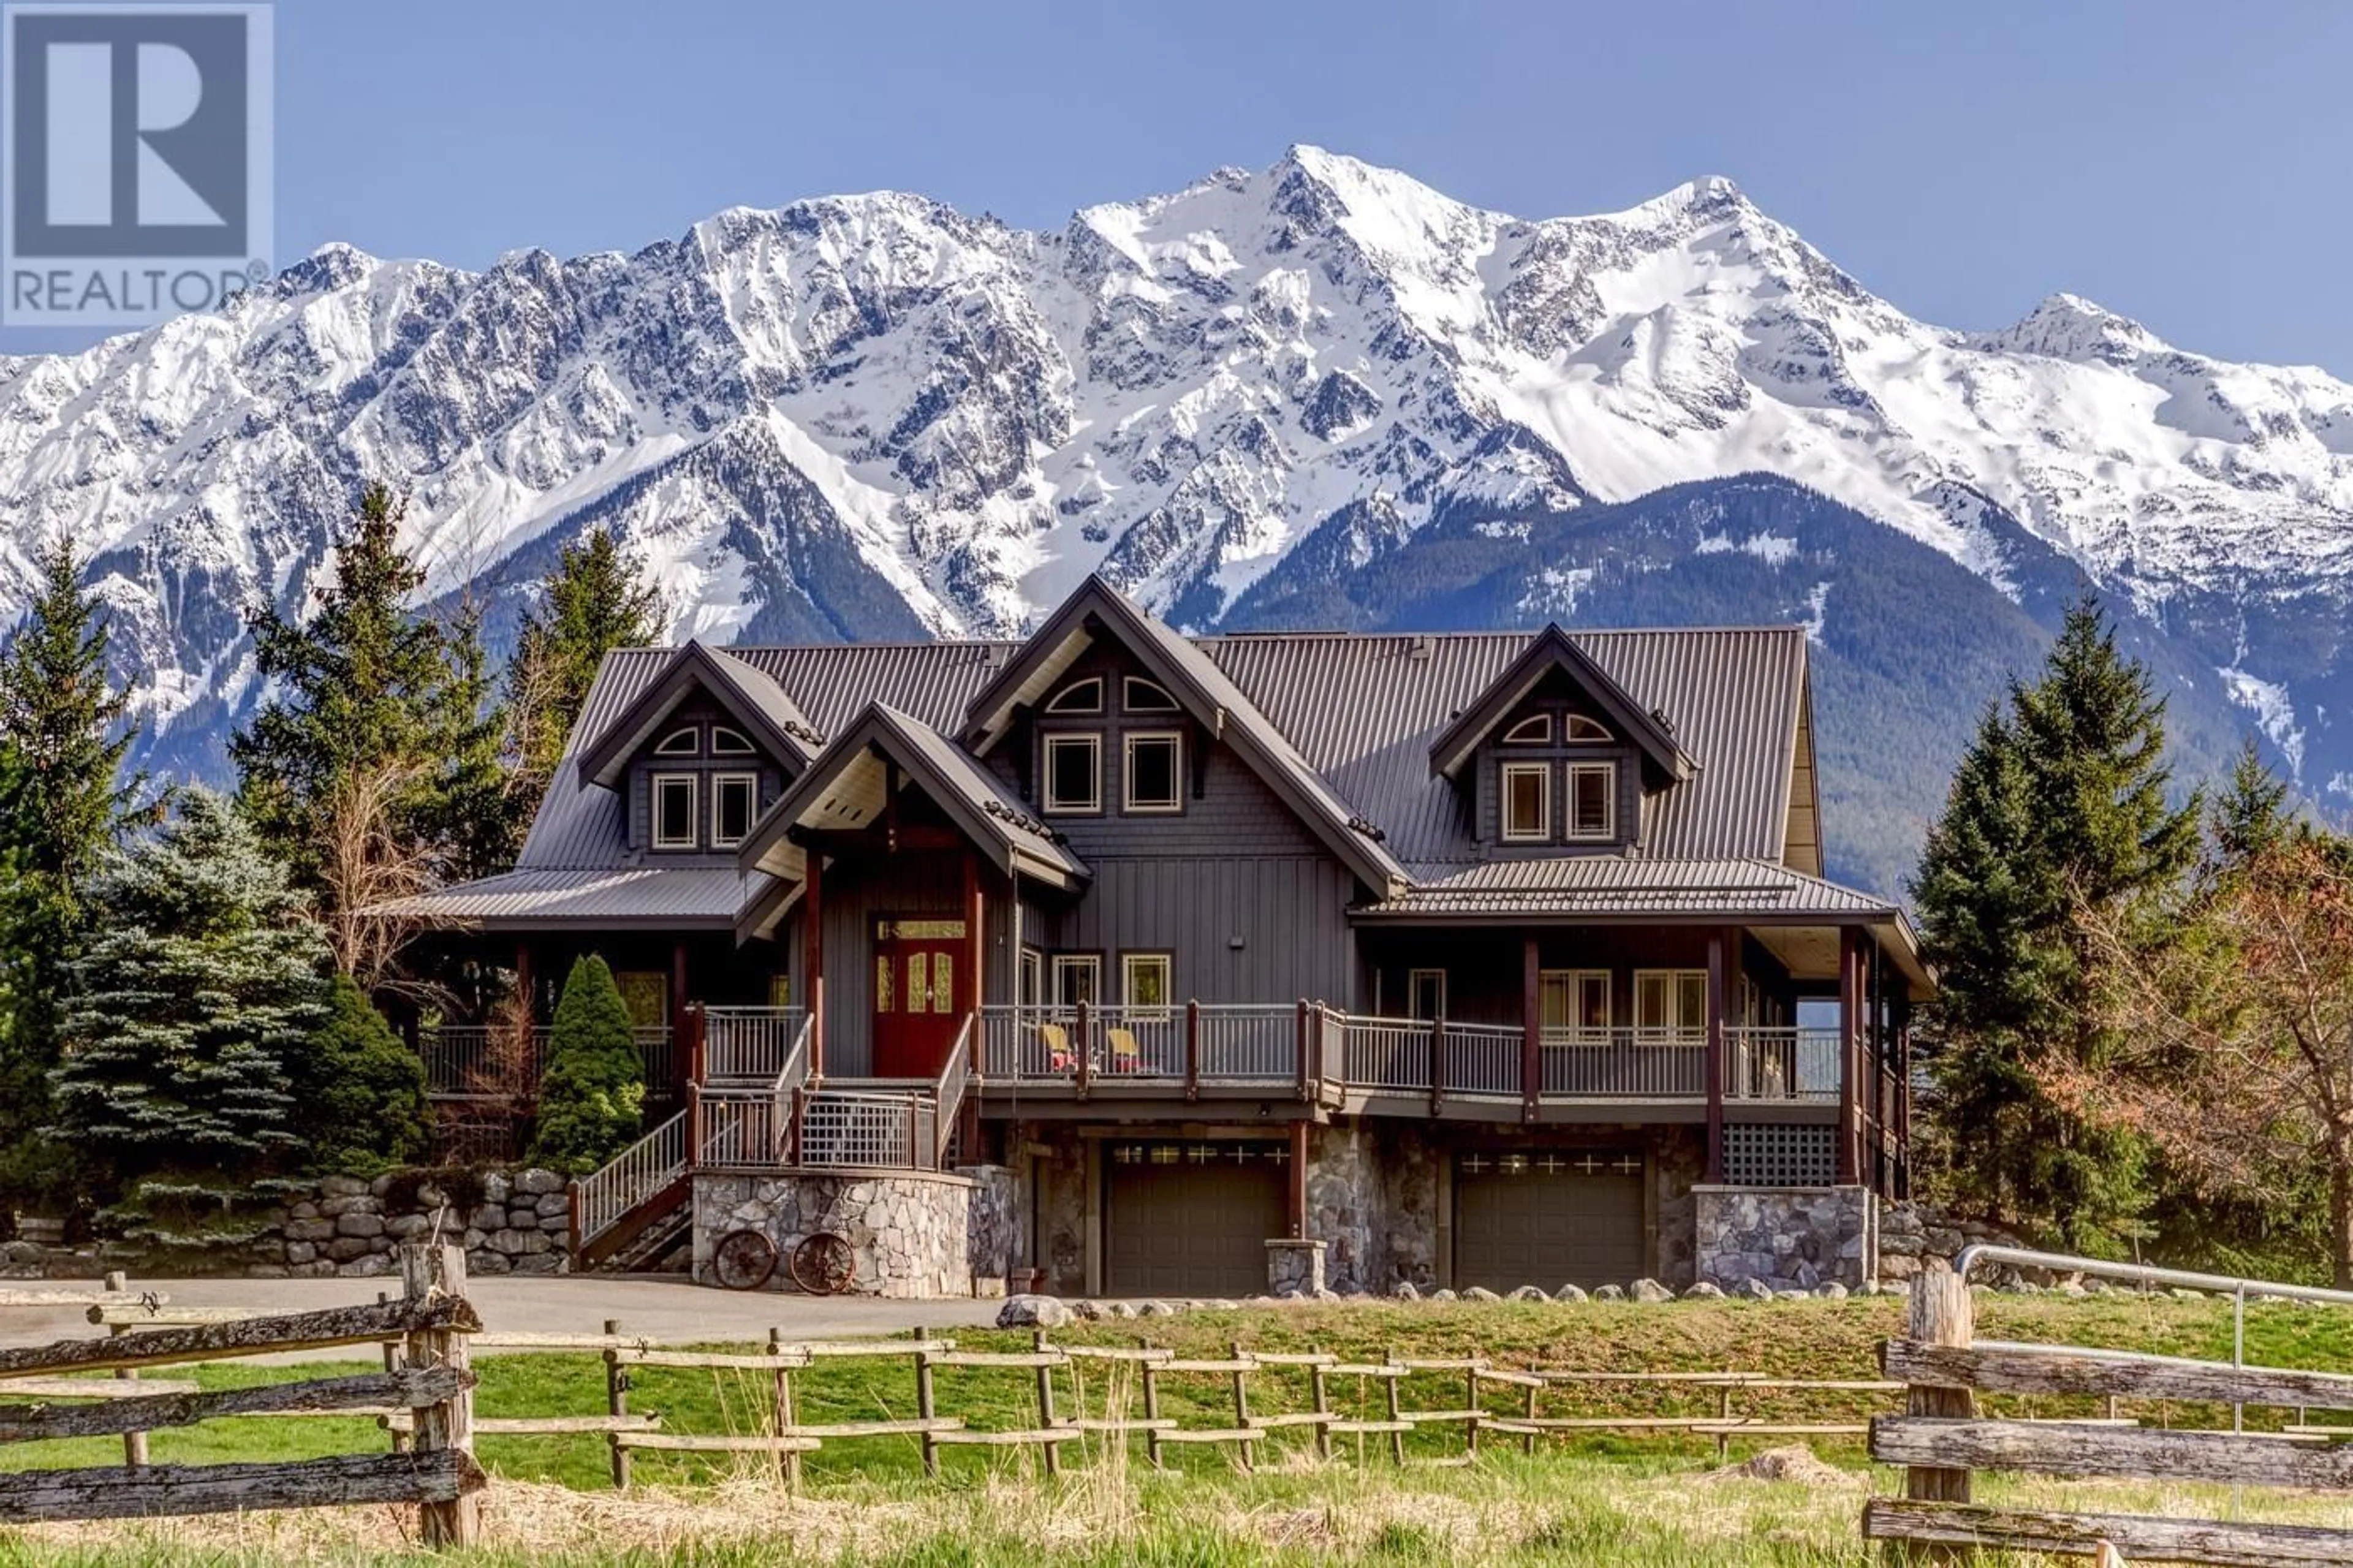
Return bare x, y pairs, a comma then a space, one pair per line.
699, 755
1555, 755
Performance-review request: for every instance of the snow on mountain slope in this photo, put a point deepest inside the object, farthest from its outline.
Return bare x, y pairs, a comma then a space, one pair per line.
868, 414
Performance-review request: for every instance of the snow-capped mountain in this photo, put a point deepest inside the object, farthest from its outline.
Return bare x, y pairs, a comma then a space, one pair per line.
872, 414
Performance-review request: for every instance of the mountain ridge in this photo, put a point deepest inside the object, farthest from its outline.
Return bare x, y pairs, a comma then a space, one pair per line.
873, 415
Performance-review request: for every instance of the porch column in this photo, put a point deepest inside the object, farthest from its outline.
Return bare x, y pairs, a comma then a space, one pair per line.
1719, 991
1531, 1029
678, 1021
1849, 1054
1295, 1190
976, 987
813, 952
1902, 1184
523, 983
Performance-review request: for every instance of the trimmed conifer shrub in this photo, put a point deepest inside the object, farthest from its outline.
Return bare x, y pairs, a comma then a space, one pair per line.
361, 1091
594, 1087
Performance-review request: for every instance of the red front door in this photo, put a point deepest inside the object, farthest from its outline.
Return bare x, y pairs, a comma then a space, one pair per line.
919, 990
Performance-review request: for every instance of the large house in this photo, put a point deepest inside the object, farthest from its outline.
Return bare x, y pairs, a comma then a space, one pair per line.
1463, 959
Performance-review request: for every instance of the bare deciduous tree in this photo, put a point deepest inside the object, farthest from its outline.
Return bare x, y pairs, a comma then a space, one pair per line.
368, 861
2233, 1010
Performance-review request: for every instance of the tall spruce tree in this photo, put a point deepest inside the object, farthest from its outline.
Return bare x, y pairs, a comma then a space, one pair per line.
2061, 801
2250, 815
476, 809
192, 999
63, 796
594, 601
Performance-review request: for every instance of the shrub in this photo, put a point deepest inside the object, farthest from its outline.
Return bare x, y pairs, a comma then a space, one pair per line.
361, 1090
594, 1087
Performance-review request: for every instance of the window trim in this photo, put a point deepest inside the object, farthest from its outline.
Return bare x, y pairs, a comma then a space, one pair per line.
1542, 834
1030, 982
1134, 957
690, 733
1575, 981
1608, 774
1056, 964
1092, 806
1162, 701
738, 744
1533, 731
1067, 700
1413, 979
751, 812
1674, 979
1128, 805
693, 786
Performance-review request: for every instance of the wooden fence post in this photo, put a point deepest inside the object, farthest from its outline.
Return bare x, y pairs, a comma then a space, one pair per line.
616, 1404
1046, 1387
1242, 1402
784, 1420
1151, 1408
392, 1349
134, 1444
1322, 1388
925, 1407
1397, 1411
427, 1271
1942, 1314
1470, 1394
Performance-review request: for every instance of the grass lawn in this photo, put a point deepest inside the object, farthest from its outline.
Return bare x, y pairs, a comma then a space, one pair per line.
1628, 1500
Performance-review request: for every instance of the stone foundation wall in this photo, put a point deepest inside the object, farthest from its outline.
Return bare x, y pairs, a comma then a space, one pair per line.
508, 1221
909, 1231
1788, 1239
1678, 1164
1294, 1267
1059, 1179
996, 1239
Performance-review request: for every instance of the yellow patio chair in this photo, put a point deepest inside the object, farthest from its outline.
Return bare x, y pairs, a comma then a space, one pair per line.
1126, 1055
1057, 1041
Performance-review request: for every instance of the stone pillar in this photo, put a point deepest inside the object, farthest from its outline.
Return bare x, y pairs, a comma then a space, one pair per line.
1294, 1267
1788, 1239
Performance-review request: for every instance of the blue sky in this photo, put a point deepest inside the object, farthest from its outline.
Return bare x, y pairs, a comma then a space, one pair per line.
2182, 164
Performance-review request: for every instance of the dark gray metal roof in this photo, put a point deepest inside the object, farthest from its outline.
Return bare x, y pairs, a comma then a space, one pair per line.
614, 895
1593, 883
1348, 720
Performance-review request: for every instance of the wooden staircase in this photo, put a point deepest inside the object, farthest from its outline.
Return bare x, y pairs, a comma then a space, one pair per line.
627, 1215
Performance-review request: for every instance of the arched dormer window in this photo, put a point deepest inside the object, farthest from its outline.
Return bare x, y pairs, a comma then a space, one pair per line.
1577, 727
1079, 696
1533, 732
680, 742
727, 743
1138, 694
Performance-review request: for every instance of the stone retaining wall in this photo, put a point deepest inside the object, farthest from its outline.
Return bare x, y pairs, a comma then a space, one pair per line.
1788, 1239
910, 1231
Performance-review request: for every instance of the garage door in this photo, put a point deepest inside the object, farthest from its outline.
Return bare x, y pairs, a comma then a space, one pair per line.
1547, 1218
1191, 1218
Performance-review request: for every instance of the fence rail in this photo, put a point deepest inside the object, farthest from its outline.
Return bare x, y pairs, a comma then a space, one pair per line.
1943, 1438
434, 1383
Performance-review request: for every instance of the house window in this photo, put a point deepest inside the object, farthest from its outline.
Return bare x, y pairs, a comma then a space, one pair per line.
1425, 991
1144, 979
1527, 803
678, 743
645, 993
1077, 978
734, 801
1149, 780
1073, 773
1138, 694
674, 811
1592, 800
1536, 731
1577, 727
780, 990
727, 743
1575, 999
1033, 977
1670, 999
1079, 696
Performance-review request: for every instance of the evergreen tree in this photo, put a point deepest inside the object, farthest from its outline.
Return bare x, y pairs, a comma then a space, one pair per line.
361, 1090
594, 601
2249, 817
475, 813
357, 683
62, 800
2060, 803
593, 1089
191, 1000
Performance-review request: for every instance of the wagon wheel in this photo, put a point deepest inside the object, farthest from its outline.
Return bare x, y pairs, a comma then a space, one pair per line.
744, 1260
824, 1264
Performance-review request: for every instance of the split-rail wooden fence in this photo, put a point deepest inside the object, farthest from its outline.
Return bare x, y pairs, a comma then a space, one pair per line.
434, 1383
1942, 1439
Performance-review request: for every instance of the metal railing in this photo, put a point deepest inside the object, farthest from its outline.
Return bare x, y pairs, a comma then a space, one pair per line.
1244, 1043
745, 1126
1782, 1062
1247, 1042
492, 1061
1481, 1061
1384, 1053
948, 1091
854, 1128
1624, 1064
645, 1168
748, 1044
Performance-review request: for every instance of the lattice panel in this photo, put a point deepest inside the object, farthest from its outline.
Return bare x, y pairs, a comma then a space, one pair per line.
1779, 1156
